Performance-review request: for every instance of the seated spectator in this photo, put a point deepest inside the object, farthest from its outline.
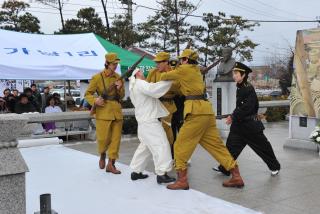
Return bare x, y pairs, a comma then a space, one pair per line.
32, 99
6, 93
15, 93
24, 105
3, 106
85, 105
71, 105
51, 107
58, 101
11, 102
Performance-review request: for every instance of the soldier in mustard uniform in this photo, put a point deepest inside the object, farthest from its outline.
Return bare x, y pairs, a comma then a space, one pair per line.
199, 126
109, 118
163, 66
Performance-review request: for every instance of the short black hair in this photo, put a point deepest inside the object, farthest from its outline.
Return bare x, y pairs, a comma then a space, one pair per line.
26, 90
33, 85
50, 97
7, 89
46, 87
192, 62
55, 94
242, 69
15, 90
241, 72
22, 95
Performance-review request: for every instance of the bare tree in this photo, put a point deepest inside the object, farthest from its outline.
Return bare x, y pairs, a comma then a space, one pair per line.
281, 68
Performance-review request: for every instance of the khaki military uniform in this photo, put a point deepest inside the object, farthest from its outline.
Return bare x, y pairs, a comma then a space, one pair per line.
200, 124
109, 117
167, 100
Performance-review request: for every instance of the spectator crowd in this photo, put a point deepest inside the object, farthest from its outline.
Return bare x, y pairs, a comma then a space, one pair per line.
31, 100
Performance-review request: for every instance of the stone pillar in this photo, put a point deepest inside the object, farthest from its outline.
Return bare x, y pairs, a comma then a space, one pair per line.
300, 129
223, 102
12, 165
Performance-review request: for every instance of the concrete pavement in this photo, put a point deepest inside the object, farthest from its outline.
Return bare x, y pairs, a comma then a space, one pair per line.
295, 190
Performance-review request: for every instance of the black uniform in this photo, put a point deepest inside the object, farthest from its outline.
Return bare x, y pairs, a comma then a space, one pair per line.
247, 129
177, 117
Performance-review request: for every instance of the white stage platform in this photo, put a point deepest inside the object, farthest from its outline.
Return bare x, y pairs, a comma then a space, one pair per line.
77, 186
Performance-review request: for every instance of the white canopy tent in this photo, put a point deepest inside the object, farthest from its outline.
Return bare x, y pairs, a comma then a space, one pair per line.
49, 57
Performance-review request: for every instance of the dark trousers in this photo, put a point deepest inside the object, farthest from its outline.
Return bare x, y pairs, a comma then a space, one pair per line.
177, 118
258, 143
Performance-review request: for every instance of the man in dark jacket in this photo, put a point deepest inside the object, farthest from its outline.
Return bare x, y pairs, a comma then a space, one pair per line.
44, 98
246, 127
36, 95
24, 105
6, 93
32, 99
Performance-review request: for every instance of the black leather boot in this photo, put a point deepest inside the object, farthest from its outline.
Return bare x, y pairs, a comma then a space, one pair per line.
136, 176
222, 170
164, 179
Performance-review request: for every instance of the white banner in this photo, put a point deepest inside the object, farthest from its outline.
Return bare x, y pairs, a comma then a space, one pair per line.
49, 57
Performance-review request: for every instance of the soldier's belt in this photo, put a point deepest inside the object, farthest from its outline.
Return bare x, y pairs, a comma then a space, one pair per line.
114, 98
196, 97
253, 117
164, 99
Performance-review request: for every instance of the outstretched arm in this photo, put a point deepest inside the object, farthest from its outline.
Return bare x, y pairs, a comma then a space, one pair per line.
171, 75
155, 90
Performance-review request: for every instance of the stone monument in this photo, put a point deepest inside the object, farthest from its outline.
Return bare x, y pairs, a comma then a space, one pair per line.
12, 165
224, 72
224, 90
305, 91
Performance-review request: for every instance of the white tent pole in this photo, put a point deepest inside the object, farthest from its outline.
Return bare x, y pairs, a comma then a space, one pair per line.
65, 100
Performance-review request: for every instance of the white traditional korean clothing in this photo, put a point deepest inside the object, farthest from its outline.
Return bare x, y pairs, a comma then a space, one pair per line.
152, 137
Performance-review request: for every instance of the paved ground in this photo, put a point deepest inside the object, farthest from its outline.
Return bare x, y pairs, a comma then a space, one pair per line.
294, 191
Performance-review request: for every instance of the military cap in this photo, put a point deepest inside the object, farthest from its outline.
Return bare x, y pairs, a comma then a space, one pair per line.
241, 67
112, 57
174, 62
190, 54
162, 56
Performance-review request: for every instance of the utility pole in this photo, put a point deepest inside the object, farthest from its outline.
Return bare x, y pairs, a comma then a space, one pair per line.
318, 19
177, 26
61, 16
129, 3
106, 16
53, 3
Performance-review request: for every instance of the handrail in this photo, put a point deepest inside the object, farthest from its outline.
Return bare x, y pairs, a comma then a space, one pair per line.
85, 115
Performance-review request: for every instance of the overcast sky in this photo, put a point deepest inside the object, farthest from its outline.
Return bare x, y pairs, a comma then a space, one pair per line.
274, 38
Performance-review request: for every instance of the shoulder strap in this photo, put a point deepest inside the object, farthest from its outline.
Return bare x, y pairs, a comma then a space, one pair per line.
104, 85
